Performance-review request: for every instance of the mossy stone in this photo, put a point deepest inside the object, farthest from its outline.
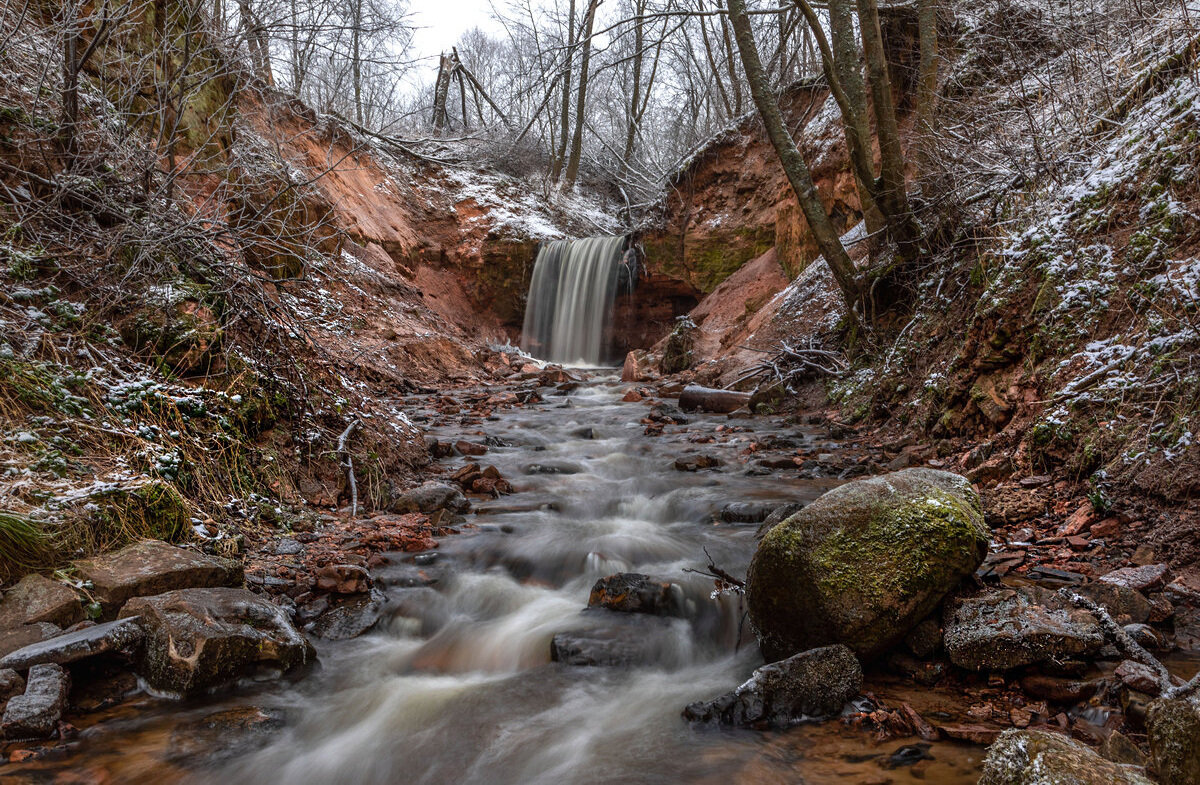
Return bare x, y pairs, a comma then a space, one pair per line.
863, 564
1173, 727
1034, 757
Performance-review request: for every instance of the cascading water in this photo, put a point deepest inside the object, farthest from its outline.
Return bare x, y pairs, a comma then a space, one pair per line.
570, 299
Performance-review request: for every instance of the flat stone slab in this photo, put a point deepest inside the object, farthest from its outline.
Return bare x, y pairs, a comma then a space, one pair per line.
36, 712
1148, 577
77, 645
35, 598
153, 567
20, 637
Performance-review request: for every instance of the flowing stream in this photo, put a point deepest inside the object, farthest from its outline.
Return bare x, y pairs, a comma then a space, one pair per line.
456, 685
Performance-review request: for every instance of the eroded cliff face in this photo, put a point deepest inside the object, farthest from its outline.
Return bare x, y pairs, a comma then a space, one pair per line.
732, 202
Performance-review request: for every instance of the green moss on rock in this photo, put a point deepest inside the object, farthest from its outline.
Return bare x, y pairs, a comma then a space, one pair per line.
865, 563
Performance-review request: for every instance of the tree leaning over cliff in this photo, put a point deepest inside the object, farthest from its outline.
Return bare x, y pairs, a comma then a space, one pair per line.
794, 166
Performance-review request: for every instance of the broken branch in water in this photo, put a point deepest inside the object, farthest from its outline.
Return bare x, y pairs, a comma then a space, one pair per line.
725, 581
1131, 648
347, 463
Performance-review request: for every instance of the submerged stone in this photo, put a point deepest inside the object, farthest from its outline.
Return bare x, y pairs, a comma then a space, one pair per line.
864, 563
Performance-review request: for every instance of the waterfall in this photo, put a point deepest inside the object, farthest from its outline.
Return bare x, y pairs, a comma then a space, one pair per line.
570, 300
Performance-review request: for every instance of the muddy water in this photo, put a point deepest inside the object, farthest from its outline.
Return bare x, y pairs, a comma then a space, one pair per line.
457, 685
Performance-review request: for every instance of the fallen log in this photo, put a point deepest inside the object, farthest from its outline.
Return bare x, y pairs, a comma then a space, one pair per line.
706, 399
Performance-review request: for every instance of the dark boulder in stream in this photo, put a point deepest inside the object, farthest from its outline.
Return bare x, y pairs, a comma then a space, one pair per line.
200, 639
814, 684
632, 592
864, 563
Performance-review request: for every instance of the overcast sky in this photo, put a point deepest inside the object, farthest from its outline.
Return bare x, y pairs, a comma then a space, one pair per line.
440, 23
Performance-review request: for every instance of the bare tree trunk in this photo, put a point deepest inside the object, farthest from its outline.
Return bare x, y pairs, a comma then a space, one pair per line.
892, 191
581, 101
927, 13
70, 90
441, 90
560, 155
635, 97
356, 61
735, 84
857, 126
798, 174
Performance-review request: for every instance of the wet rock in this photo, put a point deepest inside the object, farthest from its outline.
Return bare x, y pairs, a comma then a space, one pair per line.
35, 598
924, 672
430, 497
80, 644
745, 512
36, 712
1006, 628
706, 399
693, 463
465, 447
1033, 757
666, 413
1145, 578
778, 516
1138, 677
813, 684
1119, 600
925, 639
1118, 748
908, 755
636, 367
344, 579
198, 639
288, 547
153, 567
1173, 728
584, 433
20, 637
1161, 608
1145, 635
625, 640
631, 592
11, 684
351, 619
865, 562
552, 468
677, 351
1057, 689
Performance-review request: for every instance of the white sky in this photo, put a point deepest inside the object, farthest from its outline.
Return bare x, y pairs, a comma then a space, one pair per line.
440, 23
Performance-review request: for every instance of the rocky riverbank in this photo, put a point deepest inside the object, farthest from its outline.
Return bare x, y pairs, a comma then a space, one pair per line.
990, 645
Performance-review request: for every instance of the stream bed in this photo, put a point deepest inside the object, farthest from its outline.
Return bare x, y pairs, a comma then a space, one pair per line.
456, 684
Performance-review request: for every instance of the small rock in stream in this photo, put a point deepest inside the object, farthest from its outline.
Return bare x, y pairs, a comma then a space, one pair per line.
632, 592
36, 712
810, 685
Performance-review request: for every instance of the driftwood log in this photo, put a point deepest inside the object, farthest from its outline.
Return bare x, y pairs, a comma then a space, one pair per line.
707, 399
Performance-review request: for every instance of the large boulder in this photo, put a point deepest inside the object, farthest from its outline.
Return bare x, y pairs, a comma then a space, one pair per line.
37, 712
814, 684
201, 639
1034, 757
152, 567
36, 599
864, 563
1173, 727
430, 497
1007, 628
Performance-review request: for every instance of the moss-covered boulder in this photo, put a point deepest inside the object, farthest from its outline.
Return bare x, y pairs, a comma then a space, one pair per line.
1034, 757
1173, 727
864, 563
